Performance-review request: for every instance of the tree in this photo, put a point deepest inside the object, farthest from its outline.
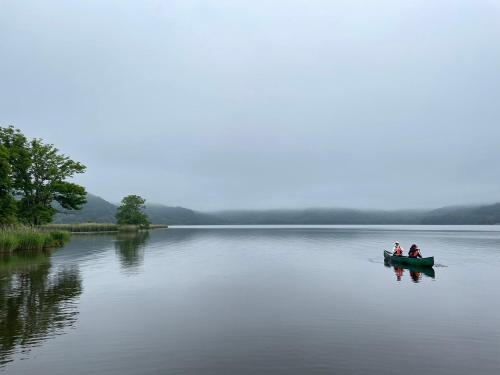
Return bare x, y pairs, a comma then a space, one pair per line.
46, 183
131, 211
38, 178
14, 161
7, 201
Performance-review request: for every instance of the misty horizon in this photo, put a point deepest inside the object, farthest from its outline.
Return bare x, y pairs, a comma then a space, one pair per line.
297, 208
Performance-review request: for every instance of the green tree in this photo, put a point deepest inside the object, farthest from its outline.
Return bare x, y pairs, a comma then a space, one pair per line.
18, 154
38, 178
14, 162
131, 211
7, 201
46, 183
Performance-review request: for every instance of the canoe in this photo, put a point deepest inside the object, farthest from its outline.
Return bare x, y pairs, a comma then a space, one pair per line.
423, 262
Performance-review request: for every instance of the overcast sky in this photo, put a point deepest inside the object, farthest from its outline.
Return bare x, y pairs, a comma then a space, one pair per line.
251, 104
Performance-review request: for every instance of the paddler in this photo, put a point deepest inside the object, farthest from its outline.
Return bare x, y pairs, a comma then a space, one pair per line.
398, 250
414, 252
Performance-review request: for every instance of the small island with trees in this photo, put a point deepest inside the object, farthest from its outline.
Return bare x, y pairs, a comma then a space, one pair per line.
35, 185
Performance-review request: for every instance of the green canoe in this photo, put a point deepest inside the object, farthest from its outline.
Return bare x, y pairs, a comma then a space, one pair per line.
423, 262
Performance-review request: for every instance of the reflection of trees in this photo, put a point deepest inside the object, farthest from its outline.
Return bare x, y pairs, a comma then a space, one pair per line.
35, 303
130, 248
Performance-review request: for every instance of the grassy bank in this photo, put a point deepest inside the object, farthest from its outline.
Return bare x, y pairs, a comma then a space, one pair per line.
97, 227
84, 227
26, 238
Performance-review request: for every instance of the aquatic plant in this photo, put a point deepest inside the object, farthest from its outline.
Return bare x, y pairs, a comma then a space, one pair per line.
83, 227
97, 227
30, 238
157, 226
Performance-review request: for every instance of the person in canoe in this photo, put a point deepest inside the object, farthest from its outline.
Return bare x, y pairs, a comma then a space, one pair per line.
414, 252
398, 250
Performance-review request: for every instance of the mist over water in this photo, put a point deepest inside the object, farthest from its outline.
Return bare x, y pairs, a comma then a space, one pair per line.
252, 300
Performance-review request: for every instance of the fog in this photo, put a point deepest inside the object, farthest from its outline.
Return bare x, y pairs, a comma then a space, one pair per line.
262, 104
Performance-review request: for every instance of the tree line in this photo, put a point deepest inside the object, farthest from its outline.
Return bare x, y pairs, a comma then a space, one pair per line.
34, 180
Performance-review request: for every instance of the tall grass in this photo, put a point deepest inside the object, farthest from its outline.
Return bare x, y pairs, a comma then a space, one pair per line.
128, 228
157, 226
98, 227
83, 227
135, 228
60, 237
27, 238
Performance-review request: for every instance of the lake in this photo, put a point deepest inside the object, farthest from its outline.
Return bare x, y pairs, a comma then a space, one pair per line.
254, 300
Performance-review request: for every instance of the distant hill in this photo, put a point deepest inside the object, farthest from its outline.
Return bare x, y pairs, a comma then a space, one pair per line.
96, 210
485, 215
160, 214
320, 216
101, 211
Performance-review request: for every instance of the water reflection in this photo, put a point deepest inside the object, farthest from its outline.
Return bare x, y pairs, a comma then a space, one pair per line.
416, 272
130, 248
35, 302
245, 301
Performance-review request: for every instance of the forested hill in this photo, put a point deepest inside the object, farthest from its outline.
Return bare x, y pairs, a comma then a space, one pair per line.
160, 214
320, 216
98, 210
486, 214
102, 211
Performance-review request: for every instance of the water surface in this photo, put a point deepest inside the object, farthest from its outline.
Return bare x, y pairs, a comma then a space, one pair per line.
254, 300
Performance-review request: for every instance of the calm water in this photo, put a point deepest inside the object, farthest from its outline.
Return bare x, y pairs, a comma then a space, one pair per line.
279, 300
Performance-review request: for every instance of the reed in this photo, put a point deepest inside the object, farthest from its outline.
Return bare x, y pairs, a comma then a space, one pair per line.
60, 237
128, 228
28, 238
158, 226
82, 228
98, 227
135, 228
8, 241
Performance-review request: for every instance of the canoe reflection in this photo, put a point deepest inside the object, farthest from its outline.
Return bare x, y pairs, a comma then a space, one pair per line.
416, 272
